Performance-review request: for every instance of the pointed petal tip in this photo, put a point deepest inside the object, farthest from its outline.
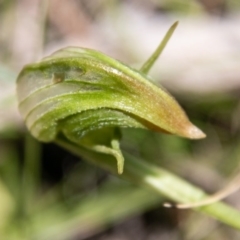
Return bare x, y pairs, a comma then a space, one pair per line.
195, 133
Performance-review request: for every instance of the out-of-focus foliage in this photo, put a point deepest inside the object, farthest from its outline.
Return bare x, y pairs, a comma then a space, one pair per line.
46, 193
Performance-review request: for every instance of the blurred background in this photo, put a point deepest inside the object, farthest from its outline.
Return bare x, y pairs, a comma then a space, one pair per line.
47, 193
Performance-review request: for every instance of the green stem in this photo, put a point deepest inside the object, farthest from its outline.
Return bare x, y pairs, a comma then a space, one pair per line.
31, 171
149, 63
159, 180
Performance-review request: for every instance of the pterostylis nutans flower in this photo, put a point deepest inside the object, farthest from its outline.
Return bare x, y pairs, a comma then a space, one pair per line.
87, 96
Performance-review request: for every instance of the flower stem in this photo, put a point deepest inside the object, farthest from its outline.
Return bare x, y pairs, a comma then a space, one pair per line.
161, 181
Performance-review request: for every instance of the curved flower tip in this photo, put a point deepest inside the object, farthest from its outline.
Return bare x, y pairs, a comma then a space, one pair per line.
195, 133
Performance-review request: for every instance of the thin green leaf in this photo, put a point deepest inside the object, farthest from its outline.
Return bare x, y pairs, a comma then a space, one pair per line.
149, 63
